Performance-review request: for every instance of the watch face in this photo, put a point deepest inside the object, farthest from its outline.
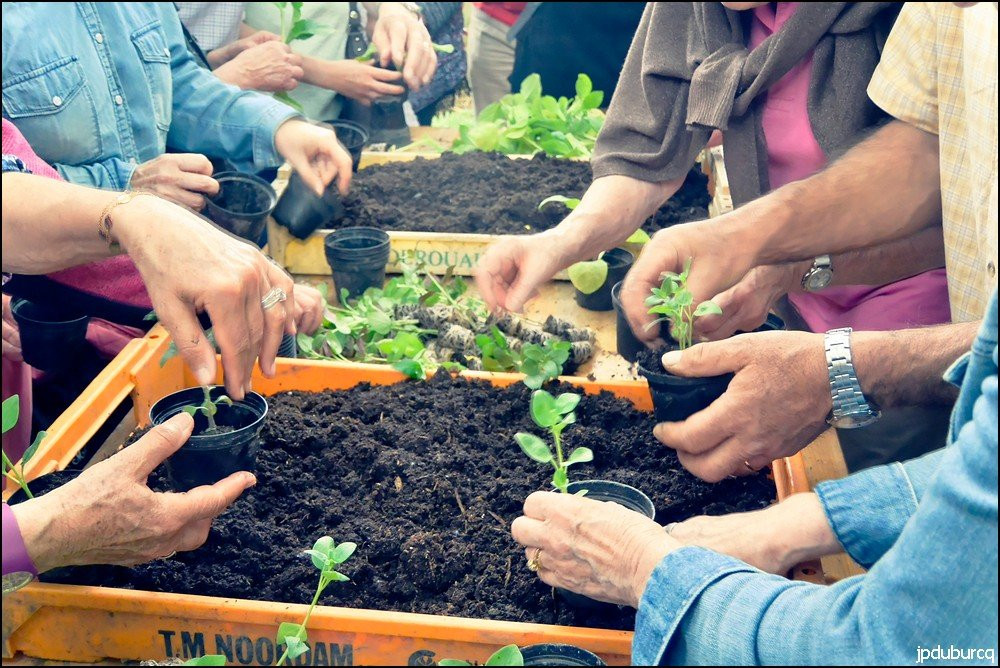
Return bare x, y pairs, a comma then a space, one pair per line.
818, 279
855, 420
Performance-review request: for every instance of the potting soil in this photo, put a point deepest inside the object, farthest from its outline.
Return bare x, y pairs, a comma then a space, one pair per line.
426, 478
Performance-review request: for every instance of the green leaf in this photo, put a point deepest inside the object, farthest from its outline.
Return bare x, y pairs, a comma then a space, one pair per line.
453, 662
319, 558
588, 277
11, 410
289, 100
560, 480
342, 552
289, 630
324, 544
151, 317
531, 87
579, 456
506, 656
410, 368
707, 308
534, 447
328, 576
640, 236
193, 410
206, 660
33, 448
543, 409
296, 647
444, 48
569, 202
303, 29
583, 85
567, 402
369, 54
593, 100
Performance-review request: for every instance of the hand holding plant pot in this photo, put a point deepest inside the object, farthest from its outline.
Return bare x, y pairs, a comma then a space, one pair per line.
315, 155
401, 38
600, 550
183, 178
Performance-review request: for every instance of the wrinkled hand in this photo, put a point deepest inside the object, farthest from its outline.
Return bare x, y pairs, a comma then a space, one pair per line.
402, 39
315, 154
310, 308
363, 81
776, 404
183, 178
191, 266
513, 268
11, 335
745, 305
109, 516
599, 549
270, 66
222, 55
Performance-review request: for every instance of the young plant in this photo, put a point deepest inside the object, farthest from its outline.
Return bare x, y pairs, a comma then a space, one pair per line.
206, 660
554, 414
496, 351
406, 353
675, 304
542, 363
326, 556
11, 413
294, 28
505, 656
372, 51
209, 407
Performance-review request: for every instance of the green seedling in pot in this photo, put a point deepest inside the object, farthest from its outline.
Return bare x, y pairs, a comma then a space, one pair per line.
553, 413
675, 304
505, 656
11, 413
326, 556
209, 407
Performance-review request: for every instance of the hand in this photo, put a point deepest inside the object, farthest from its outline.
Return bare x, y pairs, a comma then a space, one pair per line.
402, 39
599, 549
310, 308
11, 335
270, 67
315, 154
717, 264
745, 305
776, 404
109, 516
179, 177
513, 268
222, 55
191, 266
361, 81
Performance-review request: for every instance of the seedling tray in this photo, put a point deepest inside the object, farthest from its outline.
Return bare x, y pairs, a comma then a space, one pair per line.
86, 624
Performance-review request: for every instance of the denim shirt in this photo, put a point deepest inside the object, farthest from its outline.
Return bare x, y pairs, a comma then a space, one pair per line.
927, 529
99, 87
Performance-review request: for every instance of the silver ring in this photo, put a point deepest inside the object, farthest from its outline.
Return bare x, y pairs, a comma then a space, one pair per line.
275, 296
670, 527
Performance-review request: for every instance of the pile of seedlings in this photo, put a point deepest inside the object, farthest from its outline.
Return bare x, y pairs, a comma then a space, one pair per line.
488, 193
419, 322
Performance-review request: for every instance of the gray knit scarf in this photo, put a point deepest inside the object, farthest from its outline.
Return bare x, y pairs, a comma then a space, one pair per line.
689, 72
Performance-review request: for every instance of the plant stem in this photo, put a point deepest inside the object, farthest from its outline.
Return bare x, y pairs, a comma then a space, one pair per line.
559, 456
302, 627
18, 476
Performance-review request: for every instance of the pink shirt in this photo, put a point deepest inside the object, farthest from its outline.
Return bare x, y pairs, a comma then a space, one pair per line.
793, 154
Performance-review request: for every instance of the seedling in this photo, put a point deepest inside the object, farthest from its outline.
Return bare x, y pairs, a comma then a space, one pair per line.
675, 304
11, 412
406, 353
293, 29
372, 51
542, 363
209, 407
326, 556
505, 656
554, 414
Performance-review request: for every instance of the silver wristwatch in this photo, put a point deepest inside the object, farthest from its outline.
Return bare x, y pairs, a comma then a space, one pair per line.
819, 275
851, 409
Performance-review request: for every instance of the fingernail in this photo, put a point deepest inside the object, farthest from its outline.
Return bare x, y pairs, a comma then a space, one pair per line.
249, 479
672, 358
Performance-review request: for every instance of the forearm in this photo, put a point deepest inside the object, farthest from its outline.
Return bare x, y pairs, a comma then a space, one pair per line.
322, 73
906, 367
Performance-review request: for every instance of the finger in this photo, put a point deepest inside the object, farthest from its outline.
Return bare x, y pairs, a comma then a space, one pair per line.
208, 501
706, 359
232, 332
717, 464
413, 66
276, 276
195, 349
541, 505
294, 60
143, 456
386, 76
12, 353
397, 33
633, 295
344, 167
529, 532
195, 182
186, 198
257, 325
378, 89
700, 433
193, 162
274, 328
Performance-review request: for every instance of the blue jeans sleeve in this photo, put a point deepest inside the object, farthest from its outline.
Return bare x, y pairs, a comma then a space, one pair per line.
209, 116
111, 174
936, 585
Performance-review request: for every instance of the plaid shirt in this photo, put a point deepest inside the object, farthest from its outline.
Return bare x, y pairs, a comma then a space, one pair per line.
939, 73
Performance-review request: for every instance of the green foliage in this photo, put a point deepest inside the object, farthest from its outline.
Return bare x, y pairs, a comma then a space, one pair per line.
295, 28
206, 660
542, 363
11, 413
509, 655
675, 303
528, 122
372, 51
406, 353
326, 556
208, 406
496, 351
553, 413
172, 349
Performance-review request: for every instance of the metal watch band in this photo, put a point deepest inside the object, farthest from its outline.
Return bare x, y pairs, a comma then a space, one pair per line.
844, 386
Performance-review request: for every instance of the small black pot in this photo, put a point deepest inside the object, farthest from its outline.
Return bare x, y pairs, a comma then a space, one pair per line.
353, 136
388, 124
302, 212
357, 257
242, 205
43, 484
288, 347
623, 495
627, 344
51, 338
554, 654
207, 458
619, 262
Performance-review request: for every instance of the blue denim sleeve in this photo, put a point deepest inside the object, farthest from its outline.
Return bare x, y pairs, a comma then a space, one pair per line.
209, 116
110, 174
936, 586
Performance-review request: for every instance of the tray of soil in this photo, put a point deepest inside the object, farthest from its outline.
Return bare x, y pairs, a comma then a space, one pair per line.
423, 475
242, 205
51, 338
449, 208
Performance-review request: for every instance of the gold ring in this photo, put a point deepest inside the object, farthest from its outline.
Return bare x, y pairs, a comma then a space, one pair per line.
535, 562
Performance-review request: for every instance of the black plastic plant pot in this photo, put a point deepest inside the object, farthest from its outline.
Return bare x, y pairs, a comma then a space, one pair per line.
207, 458
623, 495
51, 338
242, 205
353, 136
357, 258
554, 654
627, 344
43, 484
675, 399
303, 212
288, 347
619, 262
388, 124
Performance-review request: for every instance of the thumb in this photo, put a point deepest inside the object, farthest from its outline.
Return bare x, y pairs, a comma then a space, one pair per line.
142, 457
208, 501
703, 360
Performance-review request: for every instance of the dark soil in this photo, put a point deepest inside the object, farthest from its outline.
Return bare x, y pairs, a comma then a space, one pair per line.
426, 478
489, 193
651, 359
